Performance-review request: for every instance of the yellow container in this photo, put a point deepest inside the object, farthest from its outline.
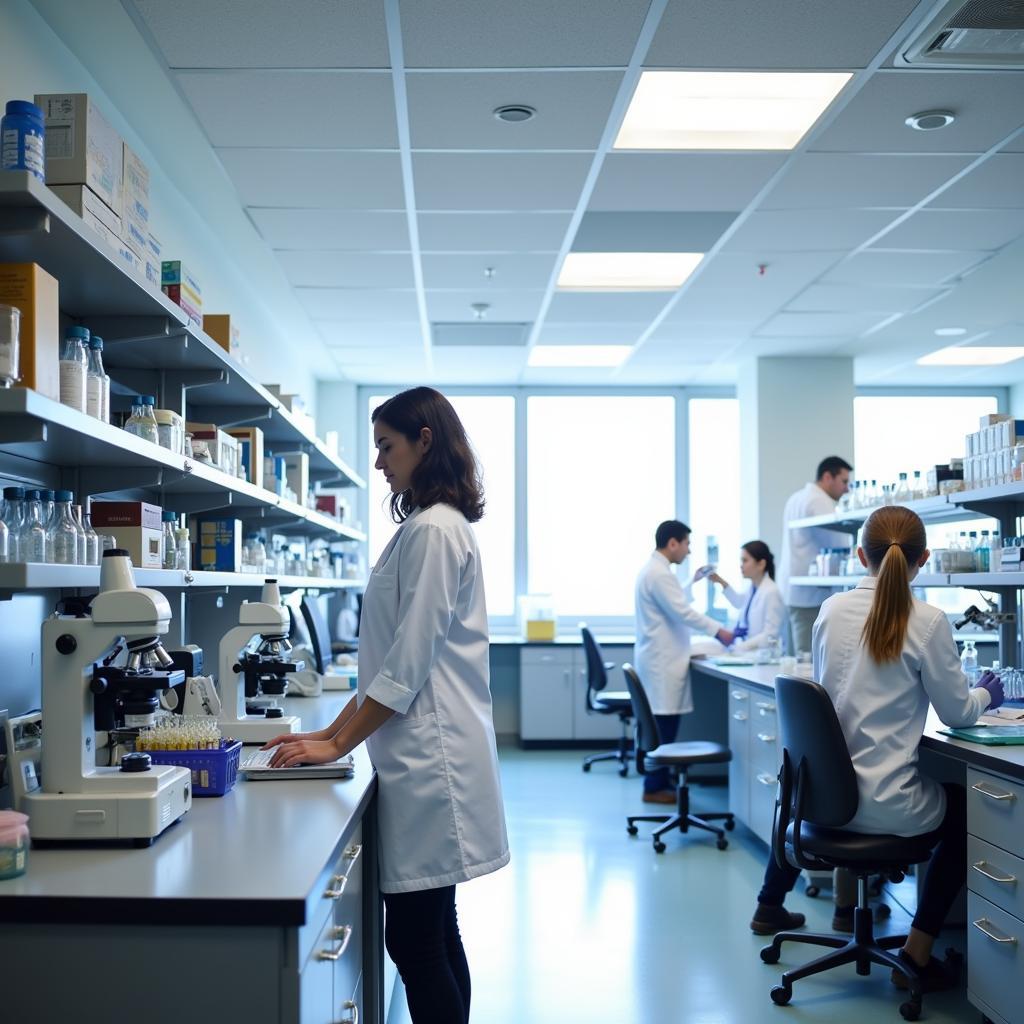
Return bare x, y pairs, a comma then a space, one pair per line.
540, 629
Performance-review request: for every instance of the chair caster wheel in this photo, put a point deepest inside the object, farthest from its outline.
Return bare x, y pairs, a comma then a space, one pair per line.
632, 829
781, 995
729, 824
769, 955
586, 767
722, 843
659, 847
812, 891
911, 1009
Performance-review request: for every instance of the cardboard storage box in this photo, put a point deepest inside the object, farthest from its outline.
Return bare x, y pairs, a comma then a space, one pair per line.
333, 503
223, 448
82, 147
90, 208
135, 193
296, 473
35, 293
274, 476
136, 526
219, 327
220, 545
182, 296
250, 442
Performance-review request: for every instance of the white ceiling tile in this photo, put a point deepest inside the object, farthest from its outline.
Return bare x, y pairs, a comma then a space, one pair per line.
682, 181
358, 304
828, 180
997, 183
517, 307
331, 180
308, 109
267, 33
475, 364
499, 181
347, 269
616, 333
371, 337
818, 325
526, 34
853, 298
797, 230
701, 303
650, 231
796, 35
455, 110
510, 270
373, 356
492, 232
783, 273
884, 267
712, 334
331, 229
987, 107
956, 229
593, 307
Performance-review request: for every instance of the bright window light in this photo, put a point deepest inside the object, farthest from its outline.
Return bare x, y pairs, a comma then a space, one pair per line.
974, 356
626, 271
578, 355
726, 109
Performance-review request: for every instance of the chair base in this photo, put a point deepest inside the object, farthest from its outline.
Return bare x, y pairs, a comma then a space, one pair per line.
863, 949
624, 754
684, 821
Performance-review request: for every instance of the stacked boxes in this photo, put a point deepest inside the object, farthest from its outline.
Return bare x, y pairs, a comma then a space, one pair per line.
250, 442
219, 326
182, 288
274, 475
995, 452
35, 293
135, 194
223, 448
296, 470
136, 526
100, 217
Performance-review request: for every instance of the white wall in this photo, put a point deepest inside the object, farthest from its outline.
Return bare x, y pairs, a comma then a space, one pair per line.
93, 46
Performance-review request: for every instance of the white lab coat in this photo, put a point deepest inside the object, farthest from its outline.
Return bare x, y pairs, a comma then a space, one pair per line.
882, 708
800, 547
765, 613
423, 651
664, 621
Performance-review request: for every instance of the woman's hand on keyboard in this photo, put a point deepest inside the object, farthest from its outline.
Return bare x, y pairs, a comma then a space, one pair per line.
297, 749
290, 737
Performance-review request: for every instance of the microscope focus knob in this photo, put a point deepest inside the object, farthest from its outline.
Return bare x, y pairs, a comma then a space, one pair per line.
98, 685
66, 644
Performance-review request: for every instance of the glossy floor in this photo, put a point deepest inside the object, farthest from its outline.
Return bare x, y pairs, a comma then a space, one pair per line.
587, 924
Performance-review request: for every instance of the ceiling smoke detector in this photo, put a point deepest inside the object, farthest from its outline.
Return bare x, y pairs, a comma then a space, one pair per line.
514, 113
480, 309
931, 120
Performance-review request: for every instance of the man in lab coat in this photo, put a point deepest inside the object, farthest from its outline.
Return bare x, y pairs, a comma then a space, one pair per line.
800, 546
664, 620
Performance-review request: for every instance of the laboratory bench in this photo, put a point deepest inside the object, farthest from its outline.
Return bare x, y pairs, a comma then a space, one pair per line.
994, 781
260, 906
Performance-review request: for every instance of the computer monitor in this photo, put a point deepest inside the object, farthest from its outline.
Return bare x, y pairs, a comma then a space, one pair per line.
319, 635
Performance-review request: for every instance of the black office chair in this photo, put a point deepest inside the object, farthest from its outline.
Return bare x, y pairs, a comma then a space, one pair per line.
651, 754
817, 797
599, 700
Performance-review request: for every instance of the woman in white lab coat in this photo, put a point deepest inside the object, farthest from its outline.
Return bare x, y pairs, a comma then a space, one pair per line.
423, 703
883, 656
761, 608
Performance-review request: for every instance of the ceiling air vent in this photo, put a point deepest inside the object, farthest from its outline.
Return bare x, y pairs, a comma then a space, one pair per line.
977, 34
484, 335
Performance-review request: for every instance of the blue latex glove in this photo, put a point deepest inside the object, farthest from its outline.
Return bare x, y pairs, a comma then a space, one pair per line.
994, 685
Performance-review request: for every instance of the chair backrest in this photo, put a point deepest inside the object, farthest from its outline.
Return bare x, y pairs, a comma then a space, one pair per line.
823, 777
597, 678
648, 737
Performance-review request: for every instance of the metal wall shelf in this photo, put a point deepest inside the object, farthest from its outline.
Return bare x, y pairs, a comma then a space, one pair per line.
982, 580
943, 508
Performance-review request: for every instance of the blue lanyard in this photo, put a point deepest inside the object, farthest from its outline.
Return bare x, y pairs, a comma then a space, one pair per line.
743, 624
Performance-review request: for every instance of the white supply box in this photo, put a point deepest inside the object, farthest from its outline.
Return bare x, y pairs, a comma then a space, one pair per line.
135, 215
91, 209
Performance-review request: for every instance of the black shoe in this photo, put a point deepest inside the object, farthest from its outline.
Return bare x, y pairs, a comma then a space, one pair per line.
769, 920
936, 976
842, 917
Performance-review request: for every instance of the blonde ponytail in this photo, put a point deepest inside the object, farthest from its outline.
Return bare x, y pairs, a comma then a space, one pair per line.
893, 539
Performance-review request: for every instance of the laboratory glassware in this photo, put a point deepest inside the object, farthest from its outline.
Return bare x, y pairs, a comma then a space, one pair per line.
969, 662
93, 546
10, 327
63, 530
170, 552
74, 367
96, 405
83, 541
142, 423
32, 535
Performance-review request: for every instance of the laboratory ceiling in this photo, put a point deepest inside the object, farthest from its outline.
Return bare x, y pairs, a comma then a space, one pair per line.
360, 139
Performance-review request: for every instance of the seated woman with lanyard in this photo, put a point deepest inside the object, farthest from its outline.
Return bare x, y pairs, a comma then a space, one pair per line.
883, 656
762, 610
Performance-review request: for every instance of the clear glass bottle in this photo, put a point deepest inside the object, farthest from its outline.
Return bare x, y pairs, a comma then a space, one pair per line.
63, 531
902, 493
918, 489
74, 361
983, 553
46, 499
83, 540
995, 553
95, 381
12, 514
32, 536
886, 494
142, 423
256, 554
969, 662
170, 552
874, 495
93, 546
5, 542
183, 549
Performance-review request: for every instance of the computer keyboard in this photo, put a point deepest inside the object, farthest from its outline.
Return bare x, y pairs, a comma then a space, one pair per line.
259, 758
257, 766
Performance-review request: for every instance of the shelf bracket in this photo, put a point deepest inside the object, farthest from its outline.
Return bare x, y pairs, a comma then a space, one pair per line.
229, 416
114, 479
22, 431
123, 330
195, 504
24, 220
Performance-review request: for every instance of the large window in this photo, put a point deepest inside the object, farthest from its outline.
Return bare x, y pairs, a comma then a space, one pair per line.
601, 475
490, 423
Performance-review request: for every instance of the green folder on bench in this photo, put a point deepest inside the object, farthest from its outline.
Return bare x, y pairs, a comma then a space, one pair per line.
992, 736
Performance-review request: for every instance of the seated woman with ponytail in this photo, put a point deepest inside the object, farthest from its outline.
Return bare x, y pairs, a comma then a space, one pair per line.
762, 610
883, 656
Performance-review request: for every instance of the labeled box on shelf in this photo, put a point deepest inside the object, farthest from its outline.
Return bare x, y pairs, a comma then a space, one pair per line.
135, 206
250, 444
274, 476
222, 329
223, 448
135, 526
35, 292
181, 287
333, 503
82, 147
296, 473
220, 545
83, 201
181, 296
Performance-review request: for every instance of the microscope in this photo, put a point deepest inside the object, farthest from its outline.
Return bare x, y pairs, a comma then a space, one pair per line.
254, 670
76, 799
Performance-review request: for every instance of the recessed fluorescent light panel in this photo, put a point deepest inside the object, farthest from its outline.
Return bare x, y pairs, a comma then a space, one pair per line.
626, 271
578, 355
973, 356
726, 109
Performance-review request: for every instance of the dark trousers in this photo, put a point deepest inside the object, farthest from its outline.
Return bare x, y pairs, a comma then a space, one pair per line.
945, 876
661, 778
421, 934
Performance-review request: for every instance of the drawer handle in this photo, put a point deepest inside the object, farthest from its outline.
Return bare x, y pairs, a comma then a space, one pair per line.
766, 779
353, 1017
345, 934
740, 716
740, 695
766, 737
352, 853
1005, 879
337, 890
993, 935
992, 793
765, 705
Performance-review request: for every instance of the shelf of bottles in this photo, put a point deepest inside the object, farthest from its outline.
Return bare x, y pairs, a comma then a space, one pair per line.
980, 580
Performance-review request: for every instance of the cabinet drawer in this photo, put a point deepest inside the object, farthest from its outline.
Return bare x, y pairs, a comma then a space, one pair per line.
994, 810
763, 787
531, 657
995, 972
765, 749
996, 875
316, 983
350, 1010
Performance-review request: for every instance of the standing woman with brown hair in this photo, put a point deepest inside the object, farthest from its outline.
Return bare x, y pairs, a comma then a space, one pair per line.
423, 703
883, 656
